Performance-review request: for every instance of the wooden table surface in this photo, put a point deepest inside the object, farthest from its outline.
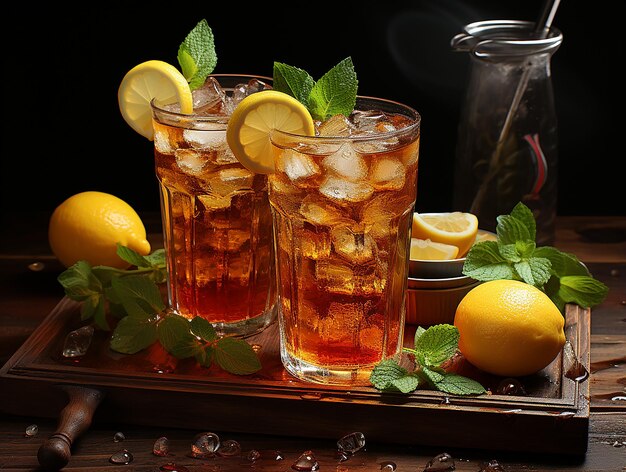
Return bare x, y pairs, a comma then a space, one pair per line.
28, 293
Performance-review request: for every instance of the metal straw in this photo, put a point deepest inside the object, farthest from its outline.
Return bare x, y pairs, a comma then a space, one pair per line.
542, 27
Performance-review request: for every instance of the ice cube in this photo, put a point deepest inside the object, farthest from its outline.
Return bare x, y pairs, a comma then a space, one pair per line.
336, 125
351, 443
366, 121
314, 244
306, 463
410, 154
213, 202
230, 180
298, 167
206, 139
335, 276
208, 99
346, 163
191, 161
77, 342
321, 212
387, 173
205, 445
162, 141
241, 91
345, 192
355, 247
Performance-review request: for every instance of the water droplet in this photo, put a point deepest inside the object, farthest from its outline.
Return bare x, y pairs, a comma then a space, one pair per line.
351, 443
36, 266
121, 457
618, 398
118, 437
342, 456
256, 347
161, 447
77, 342
388, 466
564, 415
440, 463
615, 273
204, 445
229, 448
445, 401
311, 396
618, 444
31, 430
253, 455
510, 386
512, 411
491, 466
623, 302
171, 467
306, 462
162, 369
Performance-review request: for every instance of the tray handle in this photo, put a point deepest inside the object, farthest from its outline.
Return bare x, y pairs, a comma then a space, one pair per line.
74, 419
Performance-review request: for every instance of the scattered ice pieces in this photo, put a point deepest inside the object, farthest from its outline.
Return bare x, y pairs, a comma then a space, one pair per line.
510, 386
161, 447
491, 466
229, 448
31, 431
306, 462
440, 463
77, 342
208, 99
121, 457
204, 445
388, 466
253, 455
118, 437
351, 443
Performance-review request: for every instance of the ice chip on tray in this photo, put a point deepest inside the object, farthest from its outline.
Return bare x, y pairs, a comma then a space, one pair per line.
336, 125
387, 173
347, 163
208, 99
191, 161
298, 167
345, 192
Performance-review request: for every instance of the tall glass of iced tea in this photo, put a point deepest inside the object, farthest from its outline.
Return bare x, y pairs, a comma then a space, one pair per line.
342, 203
216, 218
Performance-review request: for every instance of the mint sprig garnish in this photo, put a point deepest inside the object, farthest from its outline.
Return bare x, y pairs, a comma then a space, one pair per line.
433, 347
515, 256
133, 296
333, 94
196, 54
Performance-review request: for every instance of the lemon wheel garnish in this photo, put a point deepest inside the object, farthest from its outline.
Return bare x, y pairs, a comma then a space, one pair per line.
427, 250
455, 228
249, 127
151, 80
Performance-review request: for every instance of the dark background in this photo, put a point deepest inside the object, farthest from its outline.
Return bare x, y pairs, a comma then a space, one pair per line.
63, 132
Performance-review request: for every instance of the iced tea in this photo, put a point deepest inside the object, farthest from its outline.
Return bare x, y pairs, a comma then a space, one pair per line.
217, 224
342, 205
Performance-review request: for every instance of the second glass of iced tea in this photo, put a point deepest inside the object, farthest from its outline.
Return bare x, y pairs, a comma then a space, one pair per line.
217, 225
342, 204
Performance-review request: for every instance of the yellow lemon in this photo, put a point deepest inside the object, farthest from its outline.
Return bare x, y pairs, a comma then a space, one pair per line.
88, 226
427, 250
509, 328
456, 228
151, 80
249, 127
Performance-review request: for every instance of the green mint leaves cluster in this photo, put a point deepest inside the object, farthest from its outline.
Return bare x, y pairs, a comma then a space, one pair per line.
133, 296
197, 56
515, 256
433, 347
333, 94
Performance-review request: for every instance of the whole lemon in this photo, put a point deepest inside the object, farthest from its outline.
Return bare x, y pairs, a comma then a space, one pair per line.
509, 328
88, 226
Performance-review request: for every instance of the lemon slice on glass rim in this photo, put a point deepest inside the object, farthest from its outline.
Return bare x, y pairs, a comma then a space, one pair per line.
250, 125
151, 80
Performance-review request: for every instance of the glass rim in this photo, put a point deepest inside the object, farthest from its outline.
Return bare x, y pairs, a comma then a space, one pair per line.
155, 107
410, 112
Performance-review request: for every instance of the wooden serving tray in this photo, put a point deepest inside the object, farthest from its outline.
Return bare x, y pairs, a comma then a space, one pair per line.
153, 388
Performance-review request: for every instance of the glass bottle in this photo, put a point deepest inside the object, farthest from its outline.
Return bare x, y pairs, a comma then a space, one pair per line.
507, 138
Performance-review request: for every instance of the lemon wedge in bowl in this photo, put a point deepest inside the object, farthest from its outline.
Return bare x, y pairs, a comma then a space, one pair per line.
453, 228
145, 82
427, 250
250, 125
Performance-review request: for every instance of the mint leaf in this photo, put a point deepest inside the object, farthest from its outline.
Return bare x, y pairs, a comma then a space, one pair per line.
406, 384
292, 81
335, 92
509, 252
437, 344
418, 333
535, 271
173, 330
185, 347
562, 263
511, 229
205, 355
79, 282
138, 294
484, 262
131, 256
196, 54
236, 356
202, 328
94, 307
458, 385
433, 376
157, 258
386, 373
525, 216
582, 290
132, 334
